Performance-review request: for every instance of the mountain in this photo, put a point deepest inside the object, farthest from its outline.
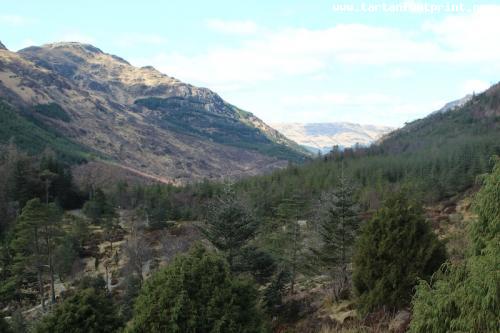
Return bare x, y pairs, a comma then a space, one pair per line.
323, 136
455, 104
434, 158
136, 118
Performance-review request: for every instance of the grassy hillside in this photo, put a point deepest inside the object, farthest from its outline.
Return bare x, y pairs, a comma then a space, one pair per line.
189, 116
435, 157
33, 136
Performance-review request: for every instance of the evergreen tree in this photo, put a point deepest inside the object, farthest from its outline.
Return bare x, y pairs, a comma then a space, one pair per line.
338, 219
394, 248
35, 238
229, 224
196, 293
88, 311
27, 244
465, 297
98, 208
288, 245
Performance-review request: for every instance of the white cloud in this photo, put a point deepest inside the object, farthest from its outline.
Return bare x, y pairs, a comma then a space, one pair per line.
307, 55
135, 39
246, 27
399, 73
469, 38
15, 20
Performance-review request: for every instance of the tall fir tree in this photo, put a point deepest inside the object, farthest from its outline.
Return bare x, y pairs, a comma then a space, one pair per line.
229, 224
338, 222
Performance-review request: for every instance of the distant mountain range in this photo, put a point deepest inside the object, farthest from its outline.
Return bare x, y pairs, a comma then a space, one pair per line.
90, 105
323, 136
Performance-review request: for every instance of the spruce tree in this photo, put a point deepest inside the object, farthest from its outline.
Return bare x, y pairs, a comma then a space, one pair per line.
229, 224
338, 222
288, 247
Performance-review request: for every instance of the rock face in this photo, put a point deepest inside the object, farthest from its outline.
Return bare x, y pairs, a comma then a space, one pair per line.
2, 47
323, 136
140, 118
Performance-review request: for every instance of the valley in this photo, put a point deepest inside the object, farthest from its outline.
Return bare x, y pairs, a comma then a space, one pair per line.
164, 167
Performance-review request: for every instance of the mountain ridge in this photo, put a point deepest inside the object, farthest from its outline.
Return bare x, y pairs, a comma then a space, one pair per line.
323, 136
140, 117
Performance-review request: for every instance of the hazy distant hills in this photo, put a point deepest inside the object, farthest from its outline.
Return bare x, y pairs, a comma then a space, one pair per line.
323, 136
79, 100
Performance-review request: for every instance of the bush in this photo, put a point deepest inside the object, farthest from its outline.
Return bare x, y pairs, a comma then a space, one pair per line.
88, 311
394, 249
196, 293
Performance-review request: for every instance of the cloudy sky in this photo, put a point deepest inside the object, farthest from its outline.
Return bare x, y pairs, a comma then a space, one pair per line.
370, 62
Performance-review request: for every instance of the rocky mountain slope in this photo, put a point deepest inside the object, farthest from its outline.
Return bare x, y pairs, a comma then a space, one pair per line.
323, 136
453, 105
138, 118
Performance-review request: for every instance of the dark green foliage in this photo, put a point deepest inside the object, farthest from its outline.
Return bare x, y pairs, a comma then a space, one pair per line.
196, 293
94, 282
32, 136
27, 242
188, 116
275, 291
286, 241
19, 323
88, 311
52, 110
394, 249
434, 158
132, 287
465, 297
61, 187
259, 263
98, 208
65, 255
338, 219
4, 326
487, 227
229, 224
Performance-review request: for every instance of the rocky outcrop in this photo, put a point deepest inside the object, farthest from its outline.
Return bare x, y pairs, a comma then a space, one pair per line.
2, 47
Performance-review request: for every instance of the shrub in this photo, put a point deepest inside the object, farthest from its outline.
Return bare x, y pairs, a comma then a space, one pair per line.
196, 293
394, 249
88, 311
465, 297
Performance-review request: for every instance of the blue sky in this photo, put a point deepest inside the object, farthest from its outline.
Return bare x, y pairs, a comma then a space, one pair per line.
370, 62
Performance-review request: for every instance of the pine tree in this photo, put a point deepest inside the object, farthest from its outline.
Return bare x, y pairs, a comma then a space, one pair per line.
36, 234
27, 243
338, 222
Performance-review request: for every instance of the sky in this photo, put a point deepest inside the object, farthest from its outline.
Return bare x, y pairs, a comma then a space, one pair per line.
368, 62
